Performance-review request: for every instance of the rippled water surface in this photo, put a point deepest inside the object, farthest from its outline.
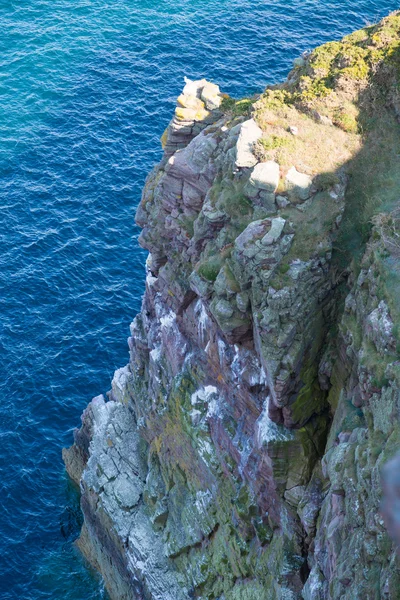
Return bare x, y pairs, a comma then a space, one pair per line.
86, 89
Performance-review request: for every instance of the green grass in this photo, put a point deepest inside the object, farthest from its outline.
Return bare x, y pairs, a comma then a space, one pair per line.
374, 183
375, 363
276, 99
188, 225
237, 107
231, 279
275, 141
316, 148
313, 226
228, 196
345, 120
312, 234
354, 58
325, 181
210, 268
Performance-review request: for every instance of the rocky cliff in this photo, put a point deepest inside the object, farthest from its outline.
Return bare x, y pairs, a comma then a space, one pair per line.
239, 453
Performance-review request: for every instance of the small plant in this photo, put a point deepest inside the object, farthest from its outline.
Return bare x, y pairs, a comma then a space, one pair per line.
210, 268
231, 279
274, 100
379, 382
345, 121
237, 107
239, 206
282, 279
228, 103
283, 268
322, 58
277, 147
311, 89
188, 225
325, 181
353, 62
357, 37
272, 142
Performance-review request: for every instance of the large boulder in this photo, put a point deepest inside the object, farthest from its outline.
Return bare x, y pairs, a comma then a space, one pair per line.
211, 96
298, 185
250, 132
379, 328
265, 176
275, 232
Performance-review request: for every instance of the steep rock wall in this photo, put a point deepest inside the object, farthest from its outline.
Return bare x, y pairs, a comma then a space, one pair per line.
238, 455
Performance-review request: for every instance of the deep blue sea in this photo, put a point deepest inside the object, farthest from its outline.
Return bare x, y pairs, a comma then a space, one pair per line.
86, 90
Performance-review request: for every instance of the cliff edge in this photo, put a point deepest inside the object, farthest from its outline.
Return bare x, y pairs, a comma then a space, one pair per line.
239, 453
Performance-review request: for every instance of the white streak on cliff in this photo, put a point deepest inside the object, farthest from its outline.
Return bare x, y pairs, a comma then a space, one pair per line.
168, 320
208, 395
203, 395
268, 431
203, 320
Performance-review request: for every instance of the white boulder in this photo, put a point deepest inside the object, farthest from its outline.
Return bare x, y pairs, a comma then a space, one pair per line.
275, 232
298, 185
250, 132
265, 176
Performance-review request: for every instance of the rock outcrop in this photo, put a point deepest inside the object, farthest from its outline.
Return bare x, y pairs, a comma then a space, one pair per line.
239, 453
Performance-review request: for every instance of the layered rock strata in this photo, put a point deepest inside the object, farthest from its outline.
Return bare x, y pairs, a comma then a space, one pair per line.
238, 455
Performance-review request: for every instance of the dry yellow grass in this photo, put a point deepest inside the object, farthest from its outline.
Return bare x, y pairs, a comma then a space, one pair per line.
317, 148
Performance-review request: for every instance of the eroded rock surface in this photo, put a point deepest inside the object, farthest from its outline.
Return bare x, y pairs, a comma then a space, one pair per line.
238, 456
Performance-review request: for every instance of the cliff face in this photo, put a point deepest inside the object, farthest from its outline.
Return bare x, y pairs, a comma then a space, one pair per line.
238, 455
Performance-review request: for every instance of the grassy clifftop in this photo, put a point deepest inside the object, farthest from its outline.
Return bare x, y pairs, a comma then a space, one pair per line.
344, 100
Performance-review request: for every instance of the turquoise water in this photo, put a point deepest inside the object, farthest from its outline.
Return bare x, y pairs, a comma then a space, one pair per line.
86, 90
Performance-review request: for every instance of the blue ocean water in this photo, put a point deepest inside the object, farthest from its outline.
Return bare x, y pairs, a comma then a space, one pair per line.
86, 90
